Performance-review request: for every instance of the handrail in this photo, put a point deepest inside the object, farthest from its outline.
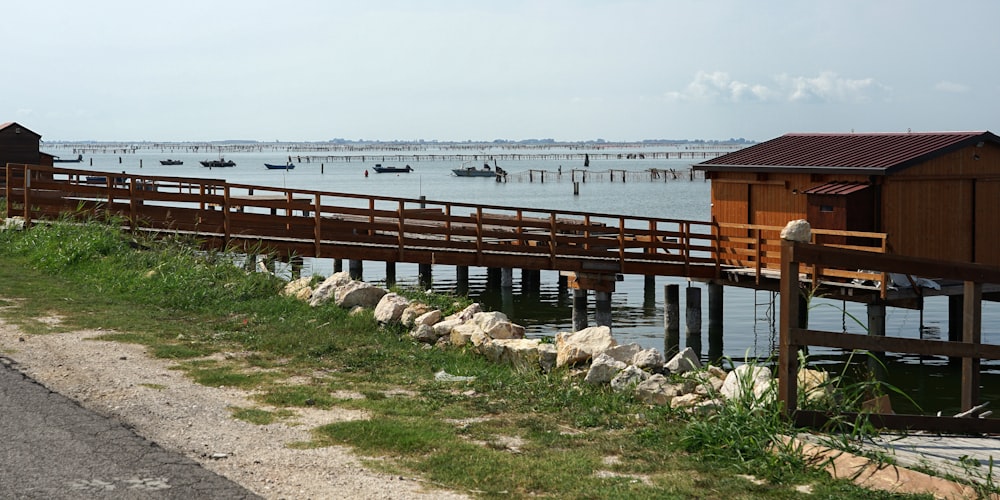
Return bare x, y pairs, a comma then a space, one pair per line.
970, 348
331, 222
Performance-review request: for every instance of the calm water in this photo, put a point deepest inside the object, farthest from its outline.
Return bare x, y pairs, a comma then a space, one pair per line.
750, 318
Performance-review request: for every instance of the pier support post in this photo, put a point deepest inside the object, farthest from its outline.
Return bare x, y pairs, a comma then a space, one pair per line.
355, 268
563, 284
649, 294
338, 265
693, 309
531, 281
602, 302
672, 320
462, 280
876, 328
715, 327
424, 276
956, 306
295, 265
506, 278
390, 274
493, 278
579, 309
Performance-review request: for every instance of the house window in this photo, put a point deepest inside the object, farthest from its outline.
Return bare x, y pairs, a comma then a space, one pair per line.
826, 208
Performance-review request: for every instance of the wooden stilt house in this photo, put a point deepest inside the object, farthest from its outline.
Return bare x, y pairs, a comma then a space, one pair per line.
19, 145
933, 195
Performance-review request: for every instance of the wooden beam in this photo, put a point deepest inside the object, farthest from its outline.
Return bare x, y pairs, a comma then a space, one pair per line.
789, 319
972, 319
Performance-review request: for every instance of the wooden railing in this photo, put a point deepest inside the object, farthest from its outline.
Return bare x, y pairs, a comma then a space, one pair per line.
970, 348
343, 225
758, 247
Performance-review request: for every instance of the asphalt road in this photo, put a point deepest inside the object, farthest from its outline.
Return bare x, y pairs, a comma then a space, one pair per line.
53, 448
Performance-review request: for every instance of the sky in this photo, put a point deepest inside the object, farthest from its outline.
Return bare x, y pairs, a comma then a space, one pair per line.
484, 70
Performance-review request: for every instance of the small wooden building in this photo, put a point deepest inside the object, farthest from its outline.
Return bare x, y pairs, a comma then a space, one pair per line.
935, 195
19, 145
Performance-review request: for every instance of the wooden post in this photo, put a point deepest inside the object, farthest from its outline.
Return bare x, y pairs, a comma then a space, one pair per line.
424, 276
602, 302
972, 318
671, 320
355, 268
715, 327
506, 278
579, 309
338, 265
788, 360
956, 307
692, 305
390, 274
462, 280
876, 328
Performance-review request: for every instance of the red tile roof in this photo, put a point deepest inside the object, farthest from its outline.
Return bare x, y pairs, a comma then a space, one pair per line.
873, 153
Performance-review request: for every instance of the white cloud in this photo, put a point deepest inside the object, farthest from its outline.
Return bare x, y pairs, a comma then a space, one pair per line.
951, 87
718, 86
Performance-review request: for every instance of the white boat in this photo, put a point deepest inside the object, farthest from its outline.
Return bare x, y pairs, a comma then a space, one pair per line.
485, 171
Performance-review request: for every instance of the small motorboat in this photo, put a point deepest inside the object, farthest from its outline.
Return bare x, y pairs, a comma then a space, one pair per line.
218, 163
287, 166
171, 162
485, 171
378, 168
78, 159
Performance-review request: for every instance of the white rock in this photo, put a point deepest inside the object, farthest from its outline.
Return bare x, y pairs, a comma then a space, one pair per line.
648, 359
749, 381
390, 308
425, 334
624, 353
628, 378
577, 347
294, 288
522, 354
443, 328
412, 312
496, 325
797, 230
683, 361
324, 292
429, 318
358, 293
603, 368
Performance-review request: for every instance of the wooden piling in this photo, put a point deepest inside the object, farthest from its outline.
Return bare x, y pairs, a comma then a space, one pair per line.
506, 278
424, 276
579, 309
355, 269
462, 280
671, 319
693, 309
602, 303
715, 301
390, 273
876, 328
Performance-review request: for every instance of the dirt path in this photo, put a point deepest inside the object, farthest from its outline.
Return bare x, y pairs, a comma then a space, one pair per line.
169, 409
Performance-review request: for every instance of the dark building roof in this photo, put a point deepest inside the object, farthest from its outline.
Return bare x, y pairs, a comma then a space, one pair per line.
21, 127
874, 154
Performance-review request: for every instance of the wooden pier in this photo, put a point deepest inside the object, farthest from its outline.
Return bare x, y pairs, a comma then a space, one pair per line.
591, 250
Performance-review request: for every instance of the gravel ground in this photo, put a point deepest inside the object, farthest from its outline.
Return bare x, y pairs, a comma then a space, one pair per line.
166, 407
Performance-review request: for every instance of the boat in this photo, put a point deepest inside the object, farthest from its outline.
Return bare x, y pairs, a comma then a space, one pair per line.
378, 168
171, 162
287, 166
218, 163
78, 159
485, 171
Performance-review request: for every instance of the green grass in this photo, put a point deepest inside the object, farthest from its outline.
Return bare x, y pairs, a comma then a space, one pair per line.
506, 433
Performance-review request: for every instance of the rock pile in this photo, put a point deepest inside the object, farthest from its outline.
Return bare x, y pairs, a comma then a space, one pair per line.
681, 382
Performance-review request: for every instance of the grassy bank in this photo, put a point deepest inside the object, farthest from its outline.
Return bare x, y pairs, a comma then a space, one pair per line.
504, 433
